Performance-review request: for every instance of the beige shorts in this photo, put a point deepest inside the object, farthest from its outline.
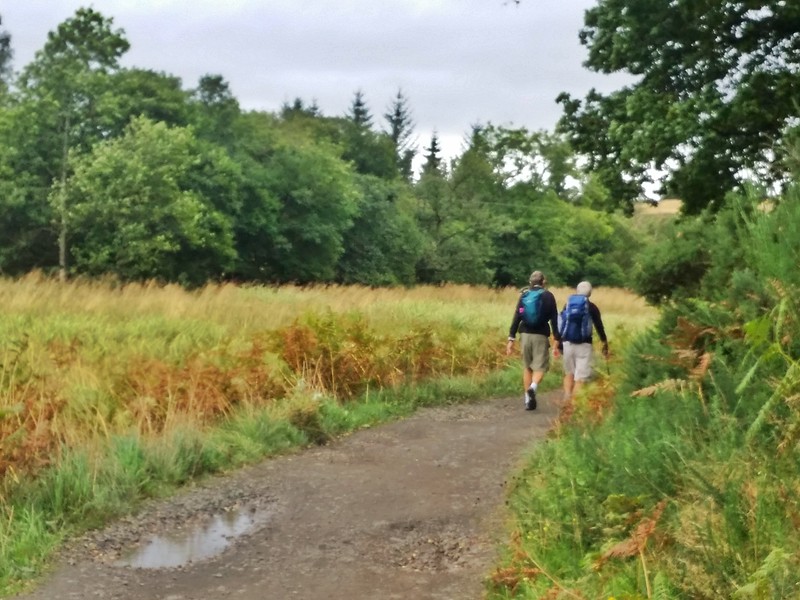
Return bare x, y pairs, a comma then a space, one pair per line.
578, 361
535, 351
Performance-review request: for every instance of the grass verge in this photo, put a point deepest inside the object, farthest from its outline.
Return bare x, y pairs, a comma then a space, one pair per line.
87, 488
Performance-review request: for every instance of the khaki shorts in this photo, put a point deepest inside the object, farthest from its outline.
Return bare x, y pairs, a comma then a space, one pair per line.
535, 351
578, 361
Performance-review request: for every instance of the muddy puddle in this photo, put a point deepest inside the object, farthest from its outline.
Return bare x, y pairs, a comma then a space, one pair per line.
196, 543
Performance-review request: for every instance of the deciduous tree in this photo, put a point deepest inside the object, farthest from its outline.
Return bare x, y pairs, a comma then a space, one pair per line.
60, 94
317, 200
145, 205
384, 243
715, 90
217, 110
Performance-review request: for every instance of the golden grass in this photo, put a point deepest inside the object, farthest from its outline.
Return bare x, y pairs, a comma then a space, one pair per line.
668, 206
250, 308
85, 359
261, 307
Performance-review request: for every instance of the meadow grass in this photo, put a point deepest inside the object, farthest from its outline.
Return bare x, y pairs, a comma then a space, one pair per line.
677, 476
111, 393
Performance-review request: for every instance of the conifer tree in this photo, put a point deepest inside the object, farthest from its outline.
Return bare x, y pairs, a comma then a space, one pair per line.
433, 159
5, 58
371, 152
299, 107
401, 129
359, 112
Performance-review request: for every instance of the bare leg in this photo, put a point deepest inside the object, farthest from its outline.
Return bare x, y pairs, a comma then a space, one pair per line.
569, 385
527, 379
531, 380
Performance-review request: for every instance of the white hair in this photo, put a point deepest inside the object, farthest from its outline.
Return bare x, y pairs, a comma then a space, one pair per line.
584, 288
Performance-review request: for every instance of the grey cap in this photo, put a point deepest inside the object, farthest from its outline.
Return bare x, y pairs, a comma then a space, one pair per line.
584, 288
536, 278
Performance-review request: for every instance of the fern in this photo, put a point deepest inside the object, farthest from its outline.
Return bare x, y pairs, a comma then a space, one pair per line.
771, 580
662, 590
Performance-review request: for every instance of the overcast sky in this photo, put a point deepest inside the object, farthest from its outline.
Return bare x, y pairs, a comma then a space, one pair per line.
459, 62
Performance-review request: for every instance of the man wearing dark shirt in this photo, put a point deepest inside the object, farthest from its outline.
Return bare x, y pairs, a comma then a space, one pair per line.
535, 338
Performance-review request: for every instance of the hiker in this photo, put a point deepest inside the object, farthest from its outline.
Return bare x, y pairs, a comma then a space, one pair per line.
577, 319
535, 317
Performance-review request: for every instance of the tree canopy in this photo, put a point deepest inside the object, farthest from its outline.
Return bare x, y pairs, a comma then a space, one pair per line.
108, 170
715, 93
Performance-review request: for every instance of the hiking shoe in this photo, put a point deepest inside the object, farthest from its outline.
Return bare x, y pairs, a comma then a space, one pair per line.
530, 400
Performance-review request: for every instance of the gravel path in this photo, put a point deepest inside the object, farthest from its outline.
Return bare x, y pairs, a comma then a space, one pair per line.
408, 510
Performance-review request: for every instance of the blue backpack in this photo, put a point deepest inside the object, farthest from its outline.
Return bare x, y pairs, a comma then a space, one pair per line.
576, 322
532, 307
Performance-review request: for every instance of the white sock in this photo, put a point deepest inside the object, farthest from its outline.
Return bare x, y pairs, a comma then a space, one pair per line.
534, 386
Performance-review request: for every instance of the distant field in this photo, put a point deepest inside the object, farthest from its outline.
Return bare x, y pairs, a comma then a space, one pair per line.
654, 221
665, 207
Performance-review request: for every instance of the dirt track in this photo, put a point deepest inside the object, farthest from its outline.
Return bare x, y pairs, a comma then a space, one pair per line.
408, 510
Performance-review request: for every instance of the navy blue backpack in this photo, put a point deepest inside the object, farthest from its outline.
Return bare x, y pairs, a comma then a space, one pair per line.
576, 322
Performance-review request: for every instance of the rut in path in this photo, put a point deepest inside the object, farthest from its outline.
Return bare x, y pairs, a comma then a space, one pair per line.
409, 510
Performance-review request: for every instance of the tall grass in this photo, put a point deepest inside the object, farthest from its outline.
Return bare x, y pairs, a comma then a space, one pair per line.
111, 393
681, 482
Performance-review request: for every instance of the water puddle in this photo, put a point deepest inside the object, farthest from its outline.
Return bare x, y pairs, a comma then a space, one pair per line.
198, 543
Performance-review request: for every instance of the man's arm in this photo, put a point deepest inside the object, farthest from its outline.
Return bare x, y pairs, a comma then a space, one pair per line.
597, 321
515, 322
554, 319
512, 332
558, 348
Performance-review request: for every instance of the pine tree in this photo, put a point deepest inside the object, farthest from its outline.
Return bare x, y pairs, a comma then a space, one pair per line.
359, 112
401, 129
299, 108
433, 160
5, 58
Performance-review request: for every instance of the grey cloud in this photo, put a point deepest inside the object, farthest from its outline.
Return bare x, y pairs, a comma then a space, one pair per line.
459, 63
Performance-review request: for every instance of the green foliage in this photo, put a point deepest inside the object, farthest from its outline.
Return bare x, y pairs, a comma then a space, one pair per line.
290, 197
6, 53
517, 156
60, 104
26, 541
458, 223
370, 152
773, 578
674, 266
723, 255
433, 158
568, 243
249, 436
317, 200
713, 92
704, 419
142, 93
141, 206
384, 243
72, 73
216, 111
256, 228
26, 227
